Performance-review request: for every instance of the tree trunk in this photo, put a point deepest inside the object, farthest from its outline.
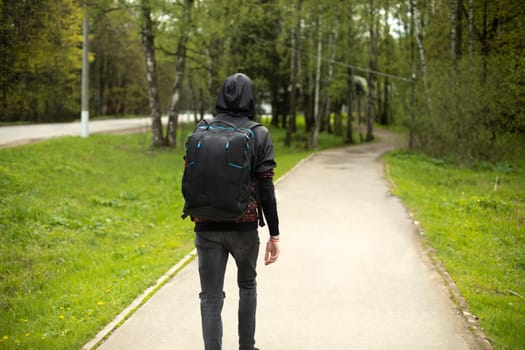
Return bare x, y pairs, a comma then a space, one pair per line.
349, 139
338, 120
453, 40
274, 97
484, 43
308, 99
275, 104
194, 102
382, 93
201, 104
459, 29
333, 44
372, 59
385, 118
470, 29
293, 74
299, 66
315, 131
173, 110
284, 105
419, 40
151, 74
351, 93
359, 108
413, 79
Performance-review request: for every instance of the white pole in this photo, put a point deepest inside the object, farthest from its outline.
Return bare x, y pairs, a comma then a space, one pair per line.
84, 114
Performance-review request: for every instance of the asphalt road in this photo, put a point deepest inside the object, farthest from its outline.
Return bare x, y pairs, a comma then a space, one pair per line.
11, 136
21, 134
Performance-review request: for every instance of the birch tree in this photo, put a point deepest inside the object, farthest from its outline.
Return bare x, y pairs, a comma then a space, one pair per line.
173, 110
295, 45
411, 130
453, 40
384, 114
459, 29
148, 41
418, 36
470, 29
333, 41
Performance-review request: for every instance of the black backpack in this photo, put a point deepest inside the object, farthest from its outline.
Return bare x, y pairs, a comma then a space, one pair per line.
218, 178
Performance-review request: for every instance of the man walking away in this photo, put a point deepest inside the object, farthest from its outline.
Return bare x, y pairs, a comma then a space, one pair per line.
217, 237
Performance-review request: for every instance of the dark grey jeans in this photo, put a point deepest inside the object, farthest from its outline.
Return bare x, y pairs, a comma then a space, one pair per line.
213, 249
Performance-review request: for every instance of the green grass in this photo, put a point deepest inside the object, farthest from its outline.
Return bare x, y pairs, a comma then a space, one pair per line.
474, 217
86, 226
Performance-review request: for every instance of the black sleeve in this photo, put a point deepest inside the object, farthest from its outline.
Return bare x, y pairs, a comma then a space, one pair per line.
269, 204
264, 151
264, 171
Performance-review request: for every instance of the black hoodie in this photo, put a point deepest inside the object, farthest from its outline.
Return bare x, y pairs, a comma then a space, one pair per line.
235, 102
236, 97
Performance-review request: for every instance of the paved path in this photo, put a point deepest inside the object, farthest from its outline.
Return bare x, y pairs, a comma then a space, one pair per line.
21, 134
351, 273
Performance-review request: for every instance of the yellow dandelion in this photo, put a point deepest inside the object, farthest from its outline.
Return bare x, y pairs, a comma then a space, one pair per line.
61, 317
5, 337
61, 308
108, 290
68, 309
100, 303
28, 334
25, 321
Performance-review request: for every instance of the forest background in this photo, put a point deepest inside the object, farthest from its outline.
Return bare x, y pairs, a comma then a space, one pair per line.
453, 71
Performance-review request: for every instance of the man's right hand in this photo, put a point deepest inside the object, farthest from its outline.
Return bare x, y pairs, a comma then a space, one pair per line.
272, 251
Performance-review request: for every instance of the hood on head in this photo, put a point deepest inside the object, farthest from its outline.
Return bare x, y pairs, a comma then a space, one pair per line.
236, 97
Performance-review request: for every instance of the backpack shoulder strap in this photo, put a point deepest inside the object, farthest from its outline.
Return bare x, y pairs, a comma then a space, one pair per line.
203, 124
250, 124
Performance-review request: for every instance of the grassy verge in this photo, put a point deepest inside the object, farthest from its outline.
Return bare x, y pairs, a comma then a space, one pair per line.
87, 225
475, 219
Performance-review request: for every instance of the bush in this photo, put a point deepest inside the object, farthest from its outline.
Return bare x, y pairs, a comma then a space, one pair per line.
475, 115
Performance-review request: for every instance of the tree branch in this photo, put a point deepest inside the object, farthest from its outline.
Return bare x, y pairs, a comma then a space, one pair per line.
478, 34
166, 51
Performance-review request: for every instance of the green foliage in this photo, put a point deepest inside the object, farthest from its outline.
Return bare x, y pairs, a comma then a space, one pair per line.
472, 110
230, 37
469, 110
41, 58
474, 218
117, 72
483, 130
